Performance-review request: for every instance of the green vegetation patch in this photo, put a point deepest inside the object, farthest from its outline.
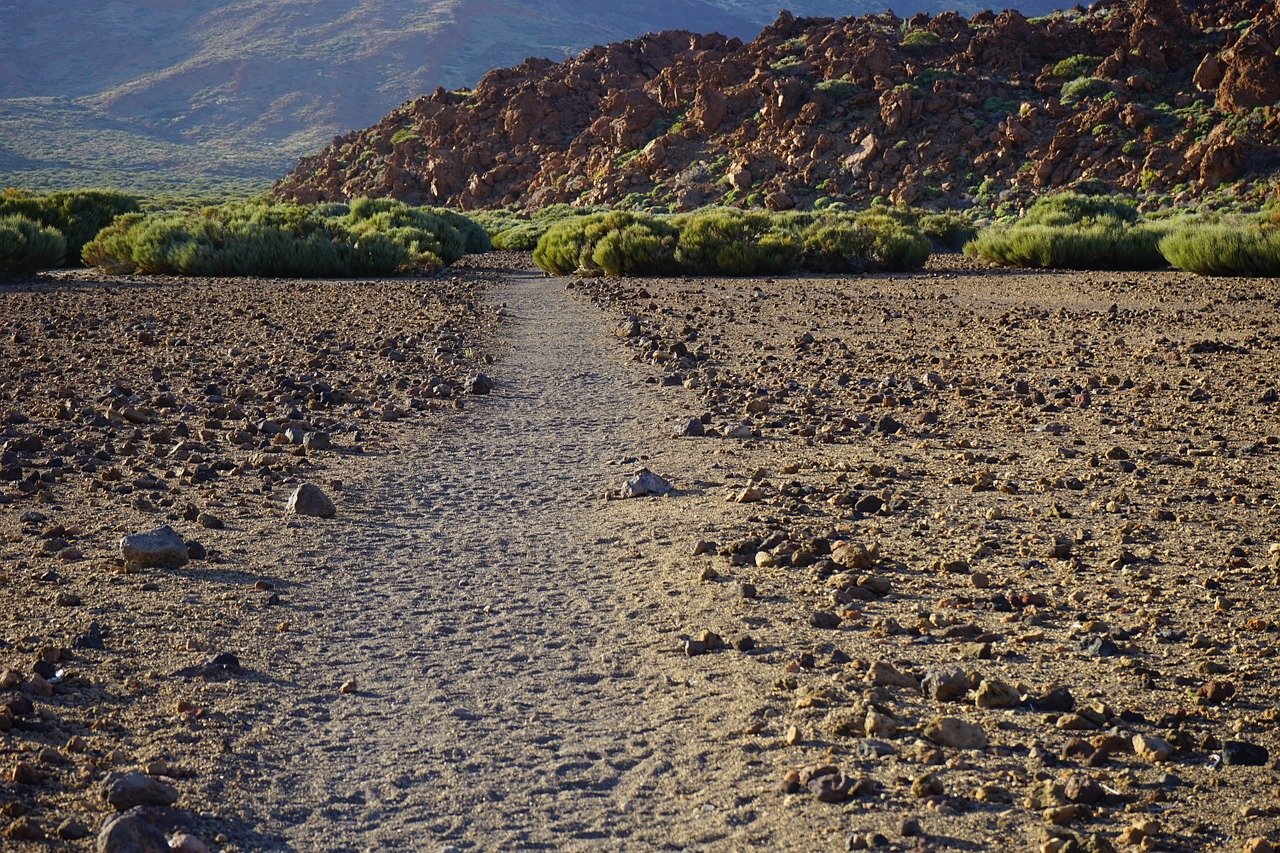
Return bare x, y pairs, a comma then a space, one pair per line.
1229, 248
1074, 91
367, 237
1076, 66
78, 215
27, 245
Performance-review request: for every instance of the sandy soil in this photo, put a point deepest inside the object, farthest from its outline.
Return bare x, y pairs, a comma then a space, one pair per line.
1048, 481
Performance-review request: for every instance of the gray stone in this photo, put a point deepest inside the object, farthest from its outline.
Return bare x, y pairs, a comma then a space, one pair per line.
310, 500
691, 428
645, 482
478, 384
123, 791
944, 686
956, 733
130, 833
161, 547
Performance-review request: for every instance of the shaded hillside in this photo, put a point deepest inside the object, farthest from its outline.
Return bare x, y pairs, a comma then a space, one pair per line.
1155, 96
240, 88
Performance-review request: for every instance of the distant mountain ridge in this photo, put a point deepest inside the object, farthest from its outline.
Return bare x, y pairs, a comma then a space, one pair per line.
240, 88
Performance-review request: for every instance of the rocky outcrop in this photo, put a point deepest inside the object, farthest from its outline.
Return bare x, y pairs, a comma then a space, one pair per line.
1178, 95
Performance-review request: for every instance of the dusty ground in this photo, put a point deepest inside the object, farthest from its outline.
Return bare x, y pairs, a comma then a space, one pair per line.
1055, 492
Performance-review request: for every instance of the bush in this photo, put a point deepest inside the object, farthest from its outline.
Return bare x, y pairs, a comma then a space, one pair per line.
475, 239
732, 242
615, 243
1103, 245
948, 231
379, 237
1071, 208
920, 40
1083, 87
1247, 249
26, 245
78, 214
838, 246
1077, 66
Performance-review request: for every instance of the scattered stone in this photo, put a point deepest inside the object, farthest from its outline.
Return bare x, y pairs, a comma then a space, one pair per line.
644, 483
478, 384
945, 685
1151, 748
209, 521
348, 687
956, 733
825, 620
884, 674
158, 548
993, 693
1244, 754
123, 791
72, 830
131, 833
309, 500
184, 842
691, 428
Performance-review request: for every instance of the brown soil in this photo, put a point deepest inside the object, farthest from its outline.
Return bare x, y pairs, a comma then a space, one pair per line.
515, 647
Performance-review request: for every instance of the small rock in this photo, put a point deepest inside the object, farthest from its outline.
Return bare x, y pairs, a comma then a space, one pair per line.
317, 440
944, 686
209, 521
158, 548
748, 590
25, 774
1151, 748
348, 687
956, 733
72, 830
691, 428
1258, 845
884, 674
123, 791
1244, 754
825, 620
993, 693
184, 842
644, 482
68, 599
309, 500
478, 384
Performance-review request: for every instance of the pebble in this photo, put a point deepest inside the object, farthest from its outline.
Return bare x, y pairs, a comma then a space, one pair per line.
993, 693
691, 428
310, 500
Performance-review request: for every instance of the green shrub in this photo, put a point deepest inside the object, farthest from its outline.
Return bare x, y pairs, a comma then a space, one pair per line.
26, 245
78, 214
1076, 66
899, 249
1102, 245
838, 89
838, 246
920, 40
733, 242
374, 237
1083, 87
615, 243
1247, 249
1072, 208
947, 230
475, 239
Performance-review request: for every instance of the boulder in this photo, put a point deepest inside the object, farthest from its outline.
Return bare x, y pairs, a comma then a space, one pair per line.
158, 548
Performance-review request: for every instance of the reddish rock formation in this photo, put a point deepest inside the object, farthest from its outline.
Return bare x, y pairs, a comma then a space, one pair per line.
817, 110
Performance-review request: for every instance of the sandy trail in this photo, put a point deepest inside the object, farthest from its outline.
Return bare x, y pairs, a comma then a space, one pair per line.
502, 627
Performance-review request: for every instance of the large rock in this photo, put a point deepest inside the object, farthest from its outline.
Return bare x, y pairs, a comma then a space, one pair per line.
131, 833
159, 548
644, 482
310, 500
124, 791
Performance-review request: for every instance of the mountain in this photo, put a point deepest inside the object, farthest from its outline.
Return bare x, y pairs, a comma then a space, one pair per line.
1155, 96
133, 92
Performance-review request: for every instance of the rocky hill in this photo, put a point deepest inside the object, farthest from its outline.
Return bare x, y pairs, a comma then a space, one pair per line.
1157, 96
126, 89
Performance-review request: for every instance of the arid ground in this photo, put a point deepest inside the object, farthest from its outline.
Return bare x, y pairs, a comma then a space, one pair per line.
965, 559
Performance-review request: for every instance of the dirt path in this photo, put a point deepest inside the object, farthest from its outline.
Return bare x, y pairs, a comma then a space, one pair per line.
514, 664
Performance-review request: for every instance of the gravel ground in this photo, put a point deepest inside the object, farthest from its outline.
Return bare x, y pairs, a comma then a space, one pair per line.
962, 560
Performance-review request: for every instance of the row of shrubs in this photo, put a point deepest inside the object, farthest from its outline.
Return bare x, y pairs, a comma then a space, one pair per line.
1074, 231
727, 241
108, 230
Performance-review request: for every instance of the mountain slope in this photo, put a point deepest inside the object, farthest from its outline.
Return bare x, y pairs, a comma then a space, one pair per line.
1139, 96
240, 88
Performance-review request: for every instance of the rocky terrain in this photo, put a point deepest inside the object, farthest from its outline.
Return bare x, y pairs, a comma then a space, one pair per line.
130, 674
219, 94
1008, 538
1164, 98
